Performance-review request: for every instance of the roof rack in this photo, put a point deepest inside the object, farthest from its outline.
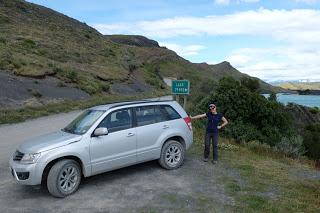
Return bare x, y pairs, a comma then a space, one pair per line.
124, 103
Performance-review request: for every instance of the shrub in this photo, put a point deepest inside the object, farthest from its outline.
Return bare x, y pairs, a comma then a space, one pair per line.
251, 83
73, 76
291, 146
105, 87
311, 140
228, 147
241, 132
3, 40
315, 110
251, 116
272, 97
36, 94
29, 44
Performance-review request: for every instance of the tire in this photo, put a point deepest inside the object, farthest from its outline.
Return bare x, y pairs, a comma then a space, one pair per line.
59, 187
175, 159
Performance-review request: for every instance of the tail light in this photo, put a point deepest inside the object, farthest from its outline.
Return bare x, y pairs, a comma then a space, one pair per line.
188, 122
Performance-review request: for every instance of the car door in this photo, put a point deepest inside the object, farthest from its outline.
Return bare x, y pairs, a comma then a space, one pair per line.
117, 148
150, 125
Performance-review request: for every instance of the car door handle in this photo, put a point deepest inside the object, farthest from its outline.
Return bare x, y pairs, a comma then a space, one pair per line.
130, 134
165, 127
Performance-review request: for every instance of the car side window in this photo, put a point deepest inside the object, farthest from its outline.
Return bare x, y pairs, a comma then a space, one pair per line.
171, 113
149, 115
117, 120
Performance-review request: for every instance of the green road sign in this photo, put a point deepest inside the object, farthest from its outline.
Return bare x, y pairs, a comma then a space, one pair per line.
180, 87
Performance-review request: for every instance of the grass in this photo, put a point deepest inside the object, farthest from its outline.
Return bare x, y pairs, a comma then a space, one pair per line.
19, 115
266, 181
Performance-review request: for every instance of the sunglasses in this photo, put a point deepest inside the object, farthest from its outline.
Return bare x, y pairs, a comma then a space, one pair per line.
212, 107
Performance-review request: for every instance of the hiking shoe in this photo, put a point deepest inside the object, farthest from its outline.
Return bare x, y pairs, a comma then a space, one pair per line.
214, 161
205, 159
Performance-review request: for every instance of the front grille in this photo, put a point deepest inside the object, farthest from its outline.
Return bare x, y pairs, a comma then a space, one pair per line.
17, 156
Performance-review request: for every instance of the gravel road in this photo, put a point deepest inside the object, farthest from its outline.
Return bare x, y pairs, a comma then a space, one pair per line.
140, 188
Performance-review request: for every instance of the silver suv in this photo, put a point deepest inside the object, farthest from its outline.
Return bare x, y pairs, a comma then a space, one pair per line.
101, 139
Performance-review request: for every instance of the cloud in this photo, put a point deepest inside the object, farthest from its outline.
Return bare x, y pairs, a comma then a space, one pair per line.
300, 25
188, 50
277, 63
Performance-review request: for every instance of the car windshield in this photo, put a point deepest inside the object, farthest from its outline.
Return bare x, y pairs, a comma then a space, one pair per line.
83, 122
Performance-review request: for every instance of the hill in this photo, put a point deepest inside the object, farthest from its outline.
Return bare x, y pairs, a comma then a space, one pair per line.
39, 43
300, 85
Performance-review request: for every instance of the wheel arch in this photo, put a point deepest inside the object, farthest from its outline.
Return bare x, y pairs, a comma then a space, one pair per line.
178, 138
52, 162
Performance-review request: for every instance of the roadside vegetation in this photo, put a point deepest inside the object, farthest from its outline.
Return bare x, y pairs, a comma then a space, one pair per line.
254, 118
262, 179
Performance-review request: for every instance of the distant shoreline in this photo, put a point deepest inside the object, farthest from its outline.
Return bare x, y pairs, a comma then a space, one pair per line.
304, 100
308, 92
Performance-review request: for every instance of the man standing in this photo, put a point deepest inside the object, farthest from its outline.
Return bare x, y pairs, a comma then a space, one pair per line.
212, 131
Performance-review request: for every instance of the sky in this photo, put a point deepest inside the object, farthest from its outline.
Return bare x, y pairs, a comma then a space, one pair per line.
275, 40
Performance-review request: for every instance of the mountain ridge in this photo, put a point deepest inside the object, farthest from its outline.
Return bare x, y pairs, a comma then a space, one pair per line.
37, 42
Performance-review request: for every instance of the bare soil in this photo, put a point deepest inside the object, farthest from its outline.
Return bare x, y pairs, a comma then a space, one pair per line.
18, 91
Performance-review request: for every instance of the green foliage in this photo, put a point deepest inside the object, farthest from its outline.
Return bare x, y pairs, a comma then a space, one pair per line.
251, 116
3, 40
250, 83
36, 94
272, 97
72, 75
28, 44
242, 132
315, 110
311, 139
229, 147
291, 146
153, 77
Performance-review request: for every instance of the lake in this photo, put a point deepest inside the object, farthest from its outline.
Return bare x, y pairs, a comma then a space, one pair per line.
306, 100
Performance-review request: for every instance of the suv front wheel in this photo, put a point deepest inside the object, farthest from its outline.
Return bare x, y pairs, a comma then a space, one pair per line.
172, 155
64, 178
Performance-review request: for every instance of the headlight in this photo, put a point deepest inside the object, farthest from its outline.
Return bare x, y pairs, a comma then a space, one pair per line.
30, 158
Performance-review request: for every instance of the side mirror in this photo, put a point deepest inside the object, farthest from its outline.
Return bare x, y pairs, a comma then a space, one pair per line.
100, 131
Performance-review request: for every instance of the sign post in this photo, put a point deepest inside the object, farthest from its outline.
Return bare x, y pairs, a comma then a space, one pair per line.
181, 87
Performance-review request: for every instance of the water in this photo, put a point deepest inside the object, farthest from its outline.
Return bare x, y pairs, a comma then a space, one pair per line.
306, 100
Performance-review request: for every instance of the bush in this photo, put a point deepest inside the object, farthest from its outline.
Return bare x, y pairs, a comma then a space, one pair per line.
291, 147
228, 147
241, 132
311, 140
28, 44
36, 94
250, 83
315, 110
73, 76
272, 97
250, 115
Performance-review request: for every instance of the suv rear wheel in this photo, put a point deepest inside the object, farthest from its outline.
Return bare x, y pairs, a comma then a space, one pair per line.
172, 155
64, 178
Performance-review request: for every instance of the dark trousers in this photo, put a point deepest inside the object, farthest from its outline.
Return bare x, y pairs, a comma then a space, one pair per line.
207, 142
